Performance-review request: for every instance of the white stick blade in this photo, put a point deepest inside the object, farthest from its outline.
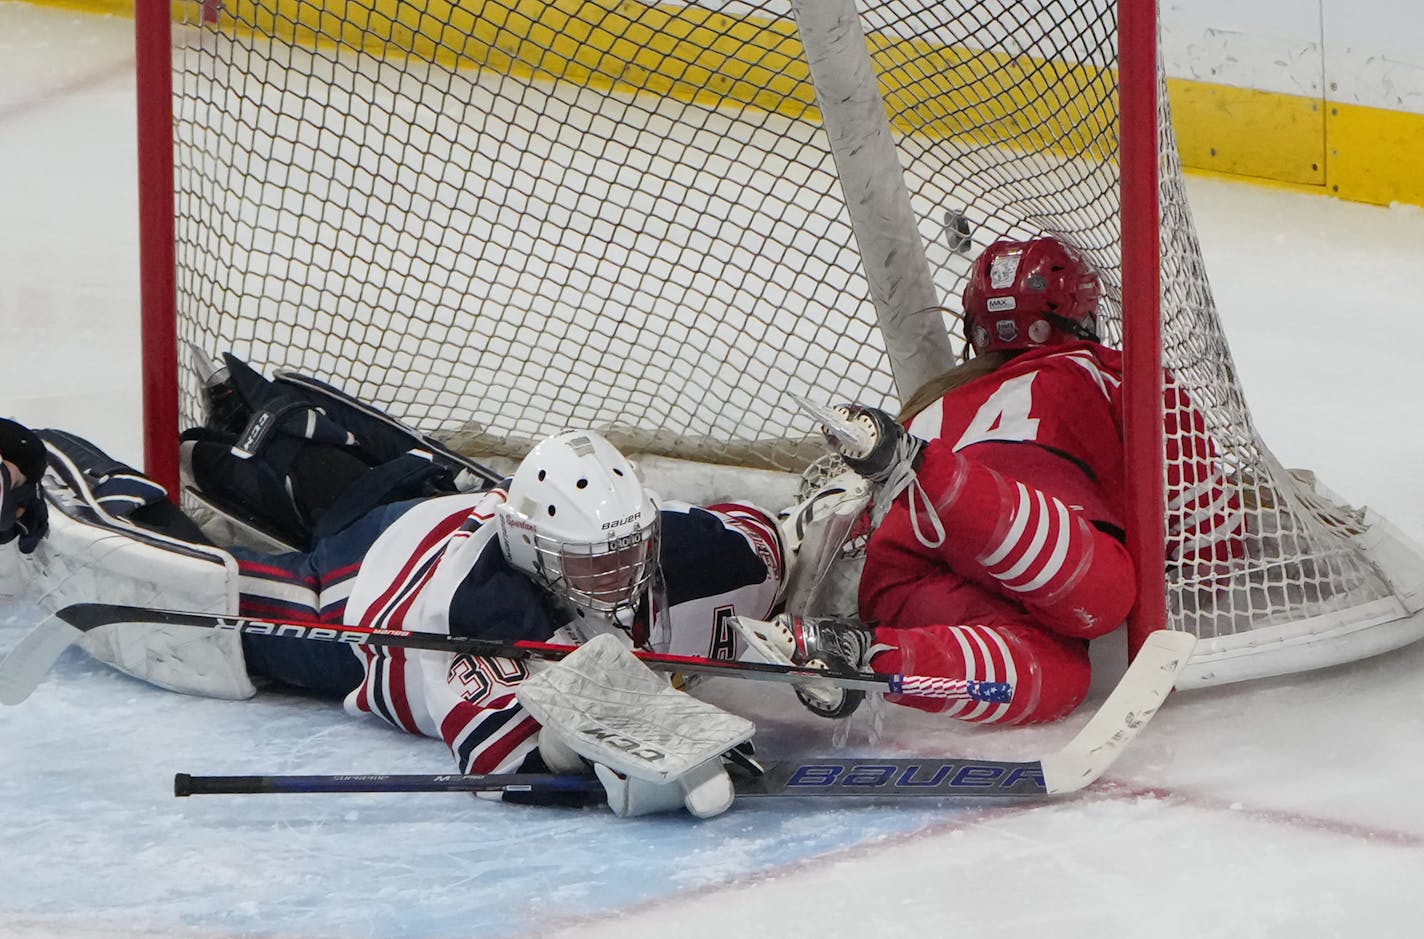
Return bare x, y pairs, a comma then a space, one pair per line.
33, 656
1143, 688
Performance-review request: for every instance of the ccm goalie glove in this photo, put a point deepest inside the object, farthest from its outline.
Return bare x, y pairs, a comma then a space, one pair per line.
832, 644
887, 446
23, 513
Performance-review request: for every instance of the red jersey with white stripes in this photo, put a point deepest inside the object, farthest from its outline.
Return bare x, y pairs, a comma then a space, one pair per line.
439, 568
1049, 417
1024, 471
1052, 418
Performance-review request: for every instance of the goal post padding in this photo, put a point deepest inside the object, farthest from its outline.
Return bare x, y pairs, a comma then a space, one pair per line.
499, 219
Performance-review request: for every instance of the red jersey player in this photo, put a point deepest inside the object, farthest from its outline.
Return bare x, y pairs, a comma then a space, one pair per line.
1004, 554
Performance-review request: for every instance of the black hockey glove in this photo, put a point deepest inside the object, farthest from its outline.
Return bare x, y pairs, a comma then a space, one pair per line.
23, 513
890, 444
836, 645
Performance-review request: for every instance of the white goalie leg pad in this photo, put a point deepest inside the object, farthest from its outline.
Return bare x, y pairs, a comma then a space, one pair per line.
655, 748
91, 557
823, 534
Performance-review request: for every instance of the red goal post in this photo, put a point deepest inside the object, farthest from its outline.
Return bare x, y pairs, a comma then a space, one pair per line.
496, 218
1139, 107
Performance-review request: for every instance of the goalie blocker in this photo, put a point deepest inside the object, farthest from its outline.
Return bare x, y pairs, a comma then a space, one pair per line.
654, 748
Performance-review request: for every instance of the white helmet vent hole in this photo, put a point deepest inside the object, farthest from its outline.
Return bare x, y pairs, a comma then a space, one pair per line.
542, 474
552, 510
582, 484
617, 471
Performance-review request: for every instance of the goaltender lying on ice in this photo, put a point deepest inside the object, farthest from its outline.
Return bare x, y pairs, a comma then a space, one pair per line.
361, 521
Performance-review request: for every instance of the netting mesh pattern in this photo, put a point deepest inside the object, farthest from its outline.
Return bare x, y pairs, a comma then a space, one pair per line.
497, 219
519, 230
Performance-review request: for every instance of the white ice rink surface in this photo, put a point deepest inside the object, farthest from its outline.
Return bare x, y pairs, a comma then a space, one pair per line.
1287, 808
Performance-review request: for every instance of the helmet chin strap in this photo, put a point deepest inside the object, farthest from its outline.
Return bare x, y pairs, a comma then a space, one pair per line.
1072, 327
648, 629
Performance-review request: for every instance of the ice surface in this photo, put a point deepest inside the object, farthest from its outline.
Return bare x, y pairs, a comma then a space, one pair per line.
1286, 808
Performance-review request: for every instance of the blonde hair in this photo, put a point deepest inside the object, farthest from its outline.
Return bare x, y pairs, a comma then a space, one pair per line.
937, 387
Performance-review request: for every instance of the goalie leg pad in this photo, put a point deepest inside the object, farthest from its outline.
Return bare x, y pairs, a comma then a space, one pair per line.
93, 554
176, 658
825, 535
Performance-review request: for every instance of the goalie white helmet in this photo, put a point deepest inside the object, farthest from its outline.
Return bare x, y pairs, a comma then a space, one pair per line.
579, 522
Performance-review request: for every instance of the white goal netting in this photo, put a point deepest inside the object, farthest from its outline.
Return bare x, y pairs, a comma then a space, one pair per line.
500, 218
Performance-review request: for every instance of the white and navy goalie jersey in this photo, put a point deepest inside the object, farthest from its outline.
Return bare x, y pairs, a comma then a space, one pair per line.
436, 566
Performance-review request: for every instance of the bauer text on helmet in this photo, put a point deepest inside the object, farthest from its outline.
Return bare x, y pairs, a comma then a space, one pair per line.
579, 522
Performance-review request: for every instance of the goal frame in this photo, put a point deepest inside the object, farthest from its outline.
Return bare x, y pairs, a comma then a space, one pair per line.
1140, 235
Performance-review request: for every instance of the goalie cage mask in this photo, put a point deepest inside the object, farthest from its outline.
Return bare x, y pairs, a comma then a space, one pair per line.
579, 522
1026, 294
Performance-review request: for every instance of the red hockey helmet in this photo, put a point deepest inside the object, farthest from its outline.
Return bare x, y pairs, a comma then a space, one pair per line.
1026, 294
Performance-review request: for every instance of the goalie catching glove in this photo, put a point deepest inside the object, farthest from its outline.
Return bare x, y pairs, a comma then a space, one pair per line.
836, 645
654, 749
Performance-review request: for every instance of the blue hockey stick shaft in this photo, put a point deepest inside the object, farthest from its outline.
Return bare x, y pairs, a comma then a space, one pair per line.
185, 784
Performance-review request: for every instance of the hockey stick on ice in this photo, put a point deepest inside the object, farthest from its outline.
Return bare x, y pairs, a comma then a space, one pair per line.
1143, 688
832, 776
934, 777
35, 654
186, 785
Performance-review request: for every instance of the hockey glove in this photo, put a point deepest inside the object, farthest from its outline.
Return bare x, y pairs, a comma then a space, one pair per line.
832, 644
23, 513
889, 447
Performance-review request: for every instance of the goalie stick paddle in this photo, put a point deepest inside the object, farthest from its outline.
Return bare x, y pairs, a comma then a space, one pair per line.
36, 653
33, 656
1144, 686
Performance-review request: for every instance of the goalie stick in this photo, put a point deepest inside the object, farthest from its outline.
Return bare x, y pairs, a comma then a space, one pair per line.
830, 776
34, 655
1141, 691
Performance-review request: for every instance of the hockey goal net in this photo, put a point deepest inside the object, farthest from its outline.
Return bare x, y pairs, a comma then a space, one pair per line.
499, 218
